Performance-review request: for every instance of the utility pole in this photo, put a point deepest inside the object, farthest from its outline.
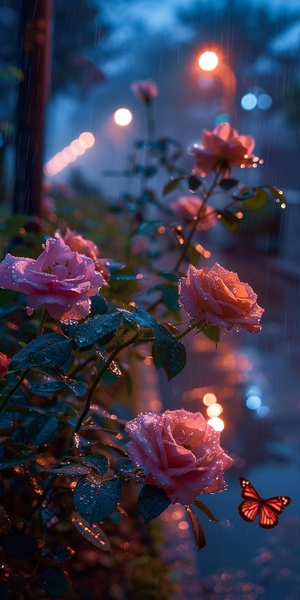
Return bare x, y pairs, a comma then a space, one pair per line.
35, 35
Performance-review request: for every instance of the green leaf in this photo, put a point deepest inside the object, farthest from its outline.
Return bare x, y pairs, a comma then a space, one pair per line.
95, 329
92, 533
229, 220
172, 184
169, 296
277, 194
8, 463
72, 470
49, 350
98, 305
12, 225
139, 316
169, 275
61, 554
42, 429
194, 255
228, 184
196, 528
54, 582
152, 502
148, 227
96, 499
211, 331
98, 461
124, 467
205, 510
194, 183
258, 200
168, 352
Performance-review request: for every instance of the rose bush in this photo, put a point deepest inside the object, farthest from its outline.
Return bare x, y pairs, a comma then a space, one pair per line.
219, 297
59, 279
179, 452
222, 149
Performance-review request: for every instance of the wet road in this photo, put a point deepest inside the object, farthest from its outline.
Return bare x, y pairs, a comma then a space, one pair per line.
256, 380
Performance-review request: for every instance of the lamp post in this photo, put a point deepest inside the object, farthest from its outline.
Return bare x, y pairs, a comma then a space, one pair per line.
210, 62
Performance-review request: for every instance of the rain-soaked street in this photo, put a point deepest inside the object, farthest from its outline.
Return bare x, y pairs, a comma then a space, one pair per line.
255, 378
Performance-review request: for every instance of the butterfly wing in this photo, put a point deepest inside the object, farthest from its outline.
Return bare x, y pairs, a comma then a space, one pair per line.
251, 505
270, 509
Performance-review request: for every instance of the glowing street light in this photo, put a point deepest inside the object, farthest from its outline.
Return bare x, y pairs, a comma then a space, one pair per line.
123, 117
208, 60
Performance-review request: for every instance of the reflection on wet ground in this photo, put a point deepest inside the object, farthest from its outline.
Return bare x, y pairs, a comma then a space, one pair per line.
251, 382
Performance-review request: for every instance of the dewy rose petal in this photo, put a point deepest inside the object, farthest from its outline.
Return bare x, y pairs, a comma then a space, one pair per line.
179, 452
78, 243
222, 149
218, 296
60, 280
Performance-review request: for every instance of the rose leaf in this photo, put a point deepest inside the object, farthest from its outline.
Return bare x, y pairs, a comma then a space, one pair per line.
198, 532
152, 502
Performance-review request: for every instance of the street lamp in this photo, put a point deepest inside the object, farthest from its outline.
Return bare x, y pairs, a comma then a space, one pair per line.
209, 61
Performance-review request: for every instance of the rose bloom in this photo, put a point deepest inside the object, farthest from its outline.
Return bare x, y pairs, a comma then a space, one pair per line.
218, 296
187, 208
179, 452
144, 90
60, 279
4, 364
222, 149
78, 243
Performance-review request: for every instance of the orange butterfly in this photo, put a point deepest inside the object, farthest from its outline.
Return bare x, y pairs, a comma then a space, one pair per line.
253, 505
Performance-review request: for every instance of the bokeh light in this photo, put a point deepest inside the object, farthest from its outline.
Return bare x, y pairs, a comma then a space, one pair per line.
214, 410
209, 399
123, 117
248, 101
208, 60
216, 423
69, 154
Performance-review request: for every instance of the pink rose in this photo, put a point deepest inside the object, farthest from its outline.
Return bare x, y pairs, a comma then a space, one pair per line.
4, 364
77, 243
218, 296
60, 279
222, 149
179, 452
144, 90
187, 208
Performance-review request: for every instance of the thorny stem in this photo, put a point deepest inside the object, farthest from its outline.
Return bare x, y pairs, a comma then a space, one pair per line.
199, 216
13, 389
99, 376
42, 321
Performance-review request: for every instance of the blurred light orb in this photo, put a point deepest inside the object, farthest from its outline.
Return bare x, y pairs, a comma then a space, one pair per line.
214, 410
208, 61
222, 118
123, 117
253, 402
264, 101
249, 101
216, 423
86, 139
209, 399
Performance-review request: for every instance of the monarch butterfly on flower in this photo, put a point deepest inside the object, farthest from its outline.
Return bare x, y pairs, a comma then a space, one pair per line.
253, 505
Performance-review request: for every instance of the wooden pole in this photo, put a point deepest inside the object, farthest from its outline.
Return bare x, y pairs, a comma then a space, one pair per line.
35, 25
